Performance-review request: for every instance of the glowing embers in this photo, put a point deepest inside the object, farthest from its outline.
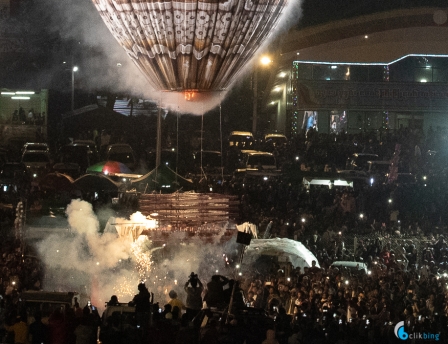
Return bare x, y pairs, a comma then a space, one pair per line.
142, 255
189, 95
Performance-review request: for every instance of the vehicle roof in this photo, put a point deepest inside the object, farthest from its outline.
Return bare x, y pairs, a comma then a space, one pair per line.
274, 135
208, 152
35, 152
120, 147
36, 144
48, 296
71, 146
89, 142
242, 133
365, 154
248, 152
380, 162
349, 264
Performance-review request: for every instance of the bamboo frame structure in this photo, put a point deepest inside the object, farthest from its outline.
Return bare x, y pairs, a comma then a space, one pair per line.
190, 211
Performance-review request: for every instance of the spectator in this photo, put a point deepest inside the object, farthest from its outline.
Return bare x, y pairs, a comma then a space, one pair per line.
214, 296
20, 330
175, 302
38, 331
194, 288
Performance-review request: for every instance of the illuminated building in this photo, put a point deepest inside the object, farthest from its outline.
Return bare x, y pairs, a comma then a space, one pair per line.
369, 73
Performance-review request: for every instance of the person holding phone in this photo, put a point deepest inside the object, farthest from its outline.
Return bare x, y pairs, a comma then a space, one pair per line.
194, 288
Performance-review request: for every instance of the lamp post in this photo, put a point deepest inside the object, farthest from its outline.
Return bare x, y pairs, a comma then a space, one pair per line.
74, 69
265, 60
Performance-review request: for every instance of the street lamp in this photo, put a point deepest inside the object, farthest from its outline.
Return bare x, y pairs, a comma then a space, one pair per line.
74, 69
265, 60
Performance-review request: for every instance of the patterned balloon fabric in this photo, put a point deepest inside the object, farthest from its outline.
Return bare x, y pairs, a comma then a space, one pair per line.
190, 45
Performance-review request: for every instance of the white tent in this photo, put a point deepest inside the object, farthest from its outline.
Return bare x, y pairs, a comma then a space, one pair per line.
286, 250
327, 182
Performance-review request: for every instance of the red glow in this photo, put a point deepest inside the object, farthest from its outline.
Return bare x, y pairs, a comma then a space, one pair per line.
189, 95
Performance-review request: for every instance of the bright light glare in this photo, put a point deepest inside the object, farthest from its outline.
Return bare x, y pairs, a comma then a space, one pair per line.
75, 68
265, 60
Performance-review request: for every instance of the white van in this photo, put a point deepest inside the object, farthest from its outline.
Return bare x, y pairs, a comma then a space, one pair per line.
241, 140
354, 267
258, 161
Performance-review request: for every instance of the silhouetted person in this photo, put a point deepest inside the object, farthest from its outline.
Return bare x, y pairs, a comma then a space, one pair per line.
215, 291
142, 302
38, 331
194, 289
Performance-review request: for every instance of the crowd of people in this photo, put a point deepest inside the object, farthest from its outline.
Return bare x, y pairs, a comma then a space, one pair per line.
321, 303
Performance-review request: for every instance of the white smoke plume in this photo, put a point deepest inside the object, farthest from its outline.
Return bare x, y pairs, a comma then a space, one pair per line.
107, 264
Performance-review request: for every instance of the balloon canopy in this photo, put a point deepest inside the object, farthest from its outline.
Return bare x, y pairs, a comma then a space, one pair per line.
190, 45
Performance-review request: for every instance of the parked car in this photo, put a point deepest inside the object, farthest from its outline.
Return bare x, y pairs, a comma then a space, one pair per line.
35, 146
211, 162
14, 181
241, 140
93, 148
123, 153
272, 141
38, 163
257, 161
47, 301
73, 159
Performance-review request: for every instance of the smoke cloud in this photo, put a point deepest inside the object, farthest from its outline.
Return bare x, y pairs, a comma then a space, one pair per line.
104, 264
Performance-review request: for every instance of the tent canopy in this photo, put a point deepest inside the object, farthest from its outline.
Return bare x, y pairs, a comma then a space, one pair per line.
162, 179
285, 250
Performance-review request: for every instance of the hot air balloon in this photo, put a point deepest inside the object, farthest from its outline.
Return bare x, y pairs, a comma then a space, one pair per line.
190, 45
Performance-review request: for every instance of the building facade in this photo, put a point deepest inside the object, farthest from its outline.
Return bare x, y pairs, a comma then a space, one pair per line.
371, 73
23, 117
